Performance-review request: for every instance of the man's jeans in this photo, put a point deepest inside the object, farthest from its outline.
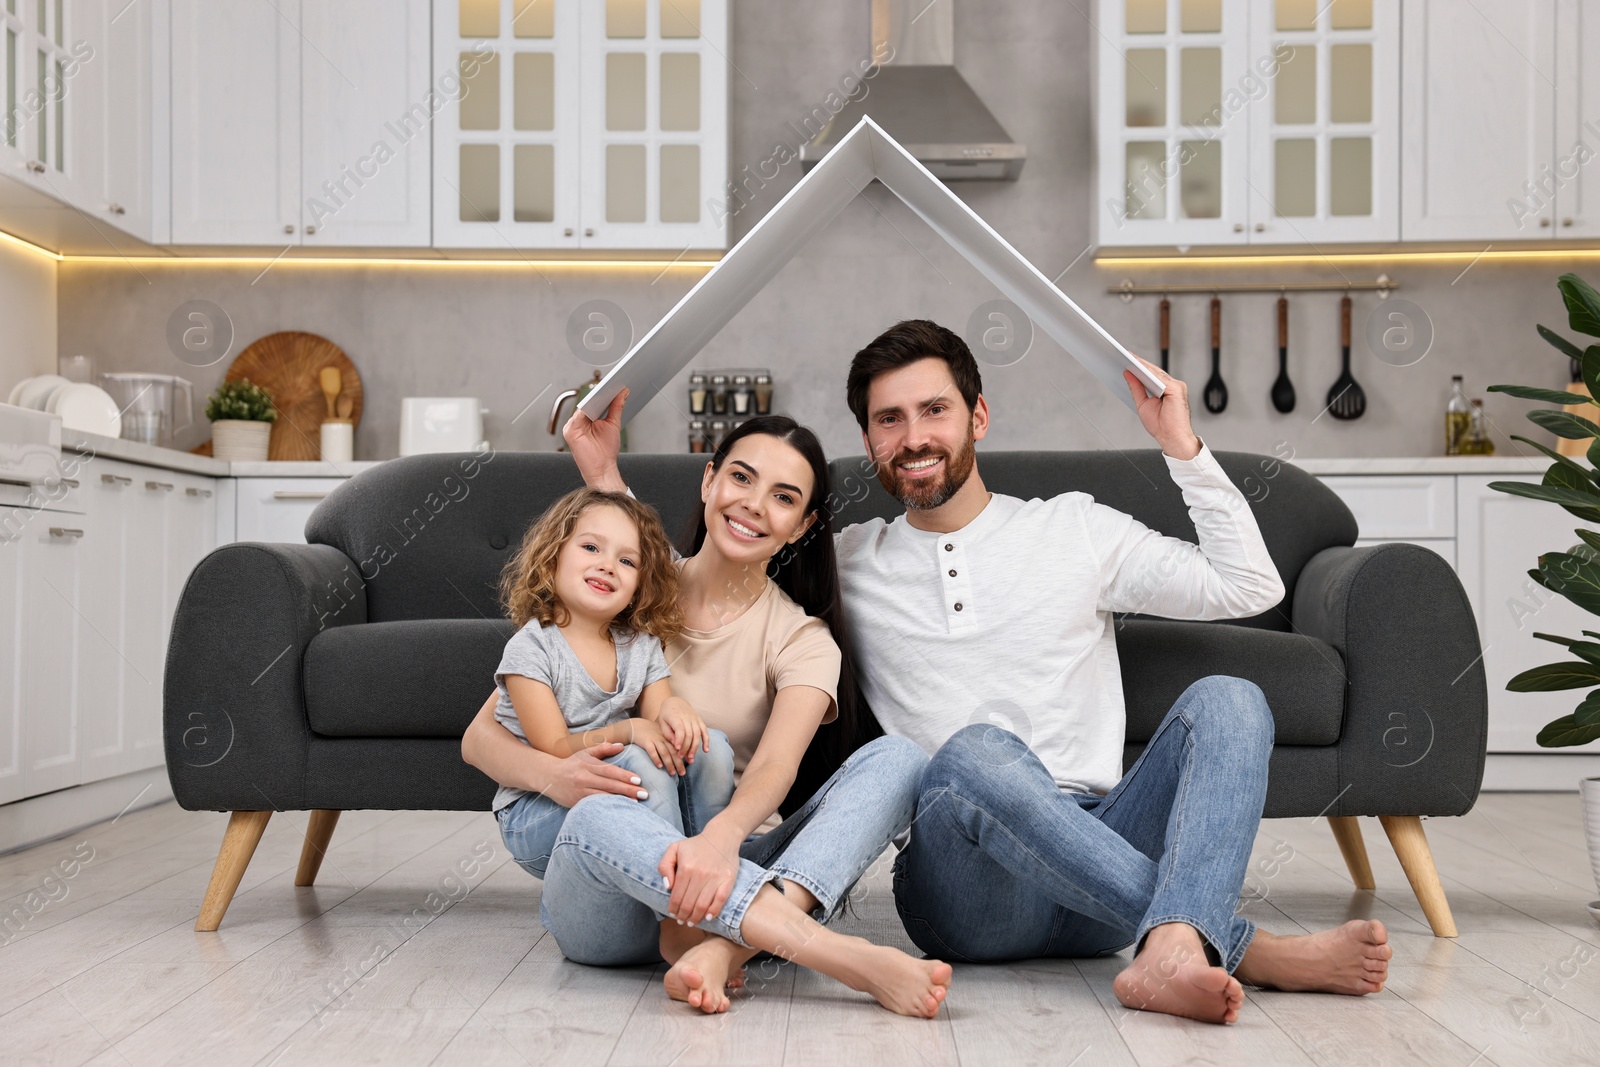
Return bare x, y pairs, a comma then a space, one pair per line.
1003, 865
604, 899
529, 825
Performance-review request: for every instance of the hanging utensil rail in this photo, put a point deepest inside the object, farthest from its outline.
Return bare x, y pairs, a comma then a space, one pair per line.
1127, 290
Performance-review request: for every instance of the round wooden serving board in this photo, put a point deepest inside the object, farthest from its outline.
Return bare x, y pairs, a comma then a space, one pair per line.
287, 364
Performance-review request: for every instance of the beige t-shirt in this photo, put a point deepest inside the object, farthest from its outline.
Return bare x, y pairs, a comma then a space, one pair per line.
731, 675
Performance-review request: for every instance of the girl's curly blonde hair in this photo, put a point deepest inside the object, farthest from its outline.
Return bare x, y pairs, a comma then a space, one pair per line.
528, 583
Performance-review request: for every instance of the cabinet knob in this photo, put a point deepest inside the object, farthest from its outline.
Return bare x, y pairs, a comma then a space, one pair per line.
567, 232
1566, 222
310, 230
1544, 222
288, 229
1261, 227
116, 209
35, 166
588, 231
64, 531
1238, 227
158, 485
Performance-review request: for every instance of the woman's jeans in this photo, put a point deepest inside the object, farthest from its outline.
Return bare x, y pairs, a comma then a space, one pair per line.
604, 899
529, 824
1002, 865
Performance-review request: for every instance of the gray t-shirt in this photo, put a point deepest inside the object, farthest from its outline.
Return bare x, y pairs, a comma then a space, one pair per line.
542, 653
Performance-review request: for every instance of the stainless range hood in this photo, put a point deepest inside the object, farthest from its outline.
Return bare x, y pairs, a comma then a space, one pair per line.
922, 101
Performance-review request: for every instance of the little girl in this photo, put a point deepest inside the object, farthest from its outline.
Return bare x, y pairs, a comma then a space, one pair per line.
595, 592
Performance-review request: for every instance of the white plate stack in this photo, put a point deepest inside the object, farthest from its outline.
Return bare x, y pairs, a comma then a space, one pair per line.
82, 407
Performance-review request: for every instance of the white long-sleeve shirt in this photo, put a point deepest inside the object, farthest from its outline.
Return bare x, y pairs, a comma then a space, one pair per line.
1008, 620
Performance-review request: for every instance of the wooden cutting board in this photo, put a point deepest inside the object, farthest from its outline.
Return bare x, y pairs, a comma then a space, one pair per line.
286, 365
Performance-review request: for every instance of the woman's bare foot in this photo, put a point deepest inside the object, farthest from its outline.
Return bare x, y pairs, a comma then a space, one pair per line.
901, 983
701, 976
1353, 958
1172, 975
676, 939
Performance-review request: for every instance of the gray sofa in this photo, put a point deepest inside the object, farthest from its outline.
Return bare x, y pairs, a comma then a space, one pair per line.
341, 673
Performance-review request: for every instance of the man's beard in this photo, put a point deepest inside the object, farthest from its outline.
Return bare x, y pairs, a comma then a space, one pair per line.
922, 495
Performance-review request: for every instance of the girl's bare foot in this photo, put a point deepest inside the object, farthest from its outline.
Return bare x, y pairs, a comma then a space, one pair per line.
700, 977
1172, 975
1353, 959
676, 939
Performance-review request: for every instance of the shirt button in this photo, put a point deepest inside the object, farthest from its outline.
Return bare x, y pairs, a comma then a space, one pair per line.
949, 548
958, 607
952, 574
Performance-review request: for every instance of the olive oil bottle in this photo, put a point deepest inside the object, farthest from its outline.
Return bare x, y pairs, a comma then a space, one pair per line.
1457, 418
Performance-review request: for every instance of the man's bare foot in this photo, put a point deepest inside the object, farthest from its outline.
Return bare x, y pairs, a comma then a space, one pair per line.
901, 983
1353, 958
701, 976
1172, 975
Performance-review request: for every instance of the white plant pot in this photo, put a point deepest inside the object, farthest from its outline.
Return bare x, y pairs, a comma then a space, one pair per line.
1589, 794
240, 439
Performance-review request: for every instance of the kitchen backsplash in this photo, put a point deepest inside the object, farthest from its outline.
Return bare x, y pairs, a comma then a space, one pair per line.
501, 334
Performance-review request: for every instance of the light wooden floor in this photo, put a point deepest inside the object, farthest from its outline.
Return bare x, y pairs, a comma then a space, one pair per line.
110, 970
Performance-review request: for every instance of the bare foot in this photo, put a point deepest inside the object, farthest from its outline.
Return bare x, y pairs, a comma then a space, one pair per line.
1172, 975
1353, 958
899, 982
702, 976
676, 939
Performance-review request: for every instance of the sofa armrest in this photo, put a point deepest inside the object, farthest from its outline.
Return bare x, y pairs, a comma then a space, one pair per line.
1416, 715
234, 716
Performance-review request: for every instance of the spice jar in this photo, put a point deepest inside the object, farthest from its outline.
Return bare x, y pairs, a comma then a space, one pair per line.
697, 435
719, 394
742, 396
763, 392
719, 430
697, 393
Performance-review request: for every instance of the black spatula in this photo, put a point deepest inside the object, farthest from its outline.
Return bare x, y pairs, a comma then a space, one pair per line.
1283, 389
1345, 399
1216, 392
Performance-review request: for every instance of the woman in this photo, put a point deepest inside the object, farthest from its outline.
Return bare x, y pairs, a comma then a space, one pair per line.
762, 659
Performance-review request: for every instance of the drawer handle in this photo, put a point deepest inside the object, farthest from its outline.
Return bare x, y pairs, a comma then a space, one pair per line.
192, 491
159, 485
297, 494
70, 483
63, 531
113, 479
35, 166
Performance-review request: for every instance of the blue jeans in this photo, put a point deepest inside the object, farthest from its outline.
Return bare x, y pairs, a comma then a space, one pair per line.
1002, 865
529, 825
604, 899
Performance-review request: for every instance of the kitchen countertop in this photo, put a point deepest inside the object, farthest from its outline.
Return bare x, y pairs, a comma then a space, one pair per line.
172, 459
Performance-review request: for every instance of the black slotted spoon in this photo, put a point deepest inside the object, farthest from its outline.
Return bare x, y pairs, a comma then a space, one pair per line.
1216, 393
1346, 400
1283, 388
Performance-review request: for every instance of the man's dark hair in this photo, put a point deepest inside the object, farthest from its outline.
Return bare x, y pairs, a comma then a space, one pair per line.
906, 342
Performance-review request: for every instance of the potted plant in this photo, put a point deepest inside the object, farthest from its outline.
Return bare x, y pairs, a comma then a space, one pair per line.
241, 415
1574, 573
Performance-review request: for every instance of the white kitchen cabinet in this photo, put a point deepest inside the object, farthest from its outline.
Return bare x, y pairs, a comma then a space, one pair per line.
236, 122
594, 125
276, 509
1479, 100
1324, 144
104, 672
1399, 506
41, 56
1577, 113
1499, 539
12, 627
54, 546
365, 122
113, 129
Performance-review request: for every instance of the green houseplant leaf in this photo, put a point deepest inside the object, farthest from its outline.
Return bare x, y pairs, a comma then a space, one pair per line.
1583, 304
1543, 396
241, 399
1553, 676
1565, 731
1555, 494
1563, 423
1561, 344
1564, 477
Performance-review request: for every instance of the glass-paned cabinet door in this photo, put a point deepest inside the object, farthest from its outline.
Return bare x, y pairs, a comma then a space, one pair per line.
507, 143
1325, 140
1172, 92
37, 61
655, 106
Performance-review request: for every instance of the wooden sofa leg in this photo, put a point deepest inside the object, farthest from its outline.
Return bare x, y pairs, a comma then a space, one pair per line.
318, 834
238, 845
1347, 831
1411, 846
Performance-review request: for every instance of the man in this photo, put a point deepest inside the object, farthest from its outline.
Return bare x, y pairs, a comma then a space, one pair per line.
975, 609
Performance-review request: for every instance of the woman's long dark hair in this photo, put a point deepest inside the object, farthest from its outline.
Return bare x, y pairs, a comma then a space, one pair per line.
808, 571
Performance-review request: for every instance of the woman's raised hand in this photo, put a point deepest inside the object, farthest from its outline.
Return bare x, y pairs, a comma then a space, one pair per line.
596, 445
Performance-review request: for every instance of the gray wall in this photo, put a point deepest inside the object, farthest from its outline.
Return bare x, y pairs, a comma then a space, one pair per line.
499, 333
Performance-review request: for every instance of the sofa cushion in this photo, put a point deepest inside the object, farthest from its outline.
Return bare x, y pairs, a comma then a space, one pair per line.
1302, 678
416, 678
